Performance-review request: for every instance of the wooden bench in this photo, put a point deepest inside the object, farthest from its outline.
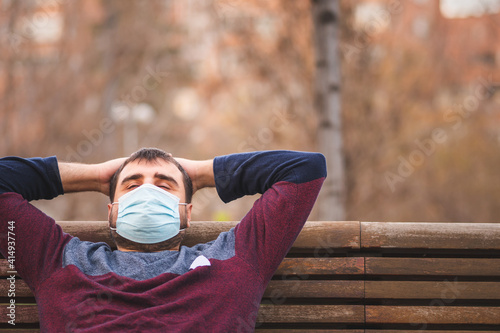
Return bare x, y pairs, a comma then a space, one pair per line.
354, 277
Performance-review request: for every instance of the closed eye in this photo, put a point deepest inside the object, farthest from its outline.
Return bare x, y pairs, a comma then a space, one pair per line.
165, 187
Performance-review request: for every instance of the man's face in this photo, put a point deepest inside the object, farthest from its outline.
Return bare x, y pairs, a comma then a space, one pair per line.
160, 173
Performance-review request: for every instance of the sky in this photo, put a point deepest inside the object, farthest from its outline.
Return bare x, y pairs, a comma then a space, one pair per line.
466, 8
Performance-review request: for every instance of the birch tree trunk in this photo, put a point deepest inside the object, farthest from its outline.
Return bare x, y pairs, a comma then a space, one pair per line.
325, 13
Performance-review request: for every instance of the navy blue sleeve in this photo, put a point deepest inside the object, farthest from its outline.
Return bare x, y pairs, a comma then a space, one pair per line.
34, 178
242, 174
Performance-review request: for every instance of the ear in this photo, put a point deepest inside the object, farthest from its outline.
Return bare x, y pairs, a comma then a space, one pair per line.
110, 207
189, 209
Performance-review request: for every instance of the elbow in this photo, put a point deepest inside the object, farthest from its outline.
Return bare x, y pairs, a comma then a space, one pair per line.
317, 165
312, 166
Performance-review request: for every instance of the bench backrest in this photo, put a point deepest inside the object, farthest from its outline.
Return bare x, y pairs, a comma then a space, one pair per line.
353, 277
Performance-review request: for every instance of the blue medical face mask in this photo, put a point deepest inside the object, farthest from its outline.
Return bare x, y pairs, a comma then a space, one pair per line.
148, 215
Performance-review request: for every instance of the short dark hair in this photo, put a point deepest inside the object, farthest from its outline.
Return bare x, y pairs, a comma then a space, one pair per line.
151, 155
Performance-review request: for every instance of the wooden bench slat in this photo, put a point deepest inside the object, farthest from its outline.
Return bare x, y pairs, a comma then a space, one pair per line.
270, 313
292, 266
314, 236
25, 313
328, 236
264, 330
376, 314
433, 266
276, 289
4, 268
22, 289
405, 235
280, 290
376, 266
322, 266
417, 330
432, 290
337, 235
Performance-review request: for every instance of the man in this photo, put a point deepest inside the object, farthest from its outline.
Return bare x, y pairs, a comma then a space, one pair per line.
151, 283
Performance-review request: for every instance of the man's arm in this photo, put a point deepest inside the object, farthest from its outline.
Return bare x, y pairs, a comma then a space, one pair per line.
88, 177
46, 178
289, 182
39, 241
242, 174
33, 179
200, 172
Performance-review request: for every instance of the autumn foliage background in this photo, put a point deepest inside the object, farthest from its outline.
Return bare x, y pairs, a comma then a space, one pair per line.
97, 79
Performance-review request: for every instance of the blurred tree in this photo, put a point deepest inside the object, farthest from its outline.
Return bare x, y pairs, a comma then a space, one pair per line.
328, 83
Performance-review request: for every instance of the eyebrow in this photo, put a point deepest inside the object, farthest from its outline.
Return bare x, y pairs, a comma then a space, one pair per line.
157, 175
167, 178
